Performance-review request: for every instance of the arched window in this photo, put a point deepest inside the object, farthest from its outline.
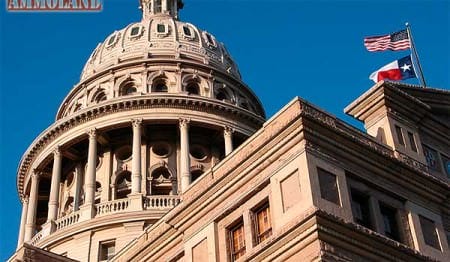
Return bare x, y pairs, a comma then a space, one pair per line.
245, 106
193, 89
160, 85
124, 153
99, 96
222, 95
123, 185
160, 182
128, 89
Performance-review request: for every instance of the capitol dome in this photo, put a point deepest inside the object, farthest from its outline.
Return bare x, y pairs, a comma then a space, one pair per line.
158, 40
159, 103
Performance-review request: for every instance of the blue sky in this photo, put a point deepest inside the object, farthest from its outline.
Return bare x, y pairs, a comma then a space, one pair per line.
311, 49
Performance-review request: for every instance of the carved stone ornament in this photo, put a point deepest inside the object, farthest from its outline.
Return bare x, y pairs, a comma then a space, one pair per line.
184, 122
228, 131
136, 122
92, 133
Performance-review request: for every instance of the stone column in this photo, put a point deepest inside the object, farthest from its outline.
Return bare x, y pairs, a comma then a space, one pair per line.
78, 180
89, 183
136, 179
32, 207
228, 137
23, 221
184, 154
53, 202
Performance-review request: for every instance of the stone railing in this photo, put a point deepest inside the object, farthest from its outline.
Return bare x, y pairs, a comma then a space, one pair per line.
112, 206
68, 220
36, 238
161, 202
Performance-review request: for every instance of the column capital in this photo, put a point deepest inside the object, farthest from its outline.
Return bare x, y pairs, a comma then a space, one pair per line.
57, 150
92, 133
35, 174
228, 131
26, 199
184, 122
136, 122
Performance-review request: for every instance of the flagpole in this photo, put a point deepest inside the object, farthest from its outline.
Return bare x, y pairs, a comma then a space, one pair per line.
413, 48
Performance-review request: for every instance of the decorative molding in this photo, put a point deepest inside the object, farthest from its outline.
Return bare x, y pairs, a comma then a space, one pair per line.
137, 122
228, 131
92, 133
57, 151
184, 122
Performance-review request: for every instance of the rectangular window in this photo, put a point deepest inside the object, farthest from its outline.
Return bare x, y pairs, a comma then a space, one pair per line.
158, 6
390, 222
429, 232
263, 224
135, 31
187, 31
400, 139
328, 186
106, 250
360, 208
161, 28
237, 240
412, 141
432, 158
446, 162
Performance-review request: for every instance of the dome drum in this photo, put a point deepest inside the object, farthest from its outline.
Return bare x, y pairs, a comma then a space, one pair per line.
144, 80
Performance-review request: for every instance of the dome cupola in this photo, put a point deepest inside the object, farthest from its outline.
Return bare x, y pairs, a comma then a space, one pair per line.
151, 8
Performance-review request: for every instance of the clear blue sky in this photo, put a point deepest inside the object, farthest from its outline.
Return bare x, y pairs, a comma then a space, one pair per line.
311, 49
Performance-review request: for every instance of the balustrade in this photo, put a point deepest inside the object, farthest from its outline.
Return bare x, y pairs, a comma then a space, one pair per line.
68, 220
112, 206
161, 202
36, 238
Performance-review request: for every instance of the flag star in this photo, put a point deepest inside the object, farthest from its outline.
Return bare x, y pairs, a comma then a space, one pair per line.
406, 67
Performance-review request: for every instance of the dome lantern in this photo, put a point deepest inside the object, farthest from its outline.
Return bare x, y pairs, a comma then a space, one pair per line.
151, 8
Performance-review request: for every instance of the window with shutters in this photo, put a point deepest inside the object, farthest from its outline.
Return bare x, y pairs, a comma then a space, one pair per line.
237, 240
262, 223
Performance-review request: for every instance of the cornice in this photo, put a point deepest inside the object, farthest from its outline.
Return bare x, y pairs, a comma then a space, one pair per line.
367, 141
128, 103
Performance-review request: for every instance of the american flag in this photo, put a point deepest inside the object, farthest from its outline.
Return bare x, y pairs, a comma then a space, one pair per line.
395, 42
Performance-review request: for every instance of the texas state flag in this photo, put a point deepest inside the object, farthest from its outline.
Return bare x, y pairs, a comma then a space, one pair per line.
397, 70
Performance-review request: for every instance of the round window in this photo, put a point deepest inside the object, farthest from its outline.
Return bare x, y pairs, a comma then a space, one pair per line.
124, 153
198, 152
161, 149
